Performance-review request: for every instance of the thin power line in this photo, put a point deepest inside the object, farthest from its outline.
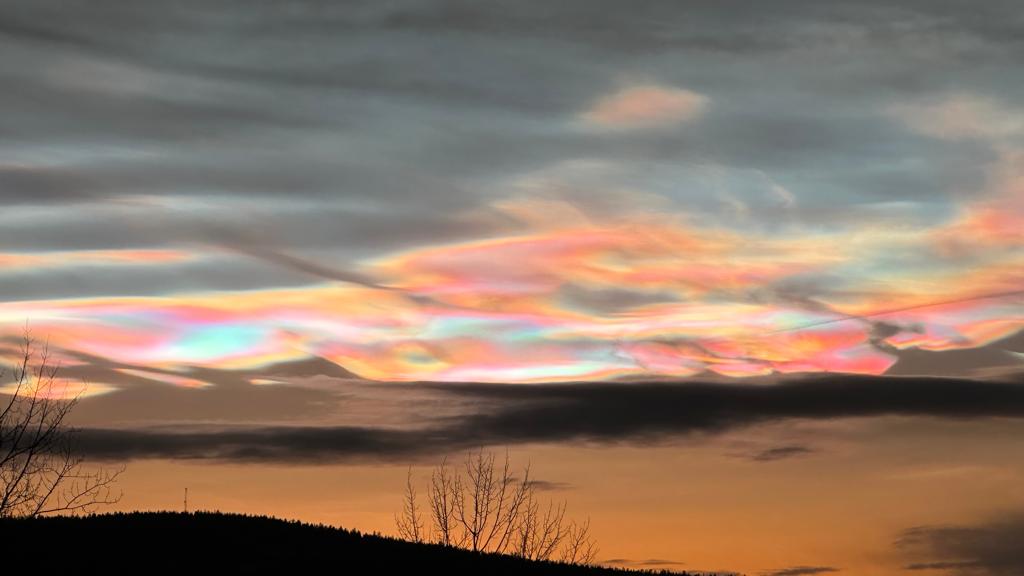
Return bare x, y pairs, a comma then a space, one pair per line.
901, 309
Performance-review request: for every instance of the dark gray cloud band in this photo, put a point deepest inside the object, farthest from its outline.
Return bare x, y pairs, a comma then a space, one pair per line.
801, 571
582, 412
781, 453
988, 548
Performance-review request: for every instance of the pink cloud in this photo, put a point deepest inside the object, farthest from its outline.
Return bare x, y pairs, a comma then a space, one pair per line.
646, 106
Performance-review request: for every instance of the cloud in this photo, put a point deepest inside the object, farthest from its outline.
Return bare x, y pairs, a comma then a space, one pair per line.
649, 412
268, 444
961, 116
346, 137
251, 247
781, 453
1000, 357
591, 412
801, 571
784, 196
988, 548
550, 486
942, 566
640, 294
649, 562
42, 260
995, 224
646, 106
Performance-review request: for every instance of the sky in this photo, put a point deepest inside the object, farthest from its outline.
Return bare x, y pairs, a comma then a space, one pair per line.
770, 254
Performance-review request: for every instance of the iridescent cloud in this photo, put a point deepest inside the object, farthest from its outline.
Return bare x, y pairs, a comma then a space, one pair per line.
680, 299
645, 105
27, 261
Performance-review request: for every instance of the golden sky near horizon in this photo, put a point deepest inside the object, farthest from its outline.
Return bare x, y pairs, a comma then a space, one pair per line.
698, 504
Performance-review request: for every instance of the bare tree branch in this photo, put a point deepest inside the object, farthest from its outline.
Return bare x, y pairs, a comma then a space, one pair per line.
410, 525
445, 489
485, 507
40, 472
578, 546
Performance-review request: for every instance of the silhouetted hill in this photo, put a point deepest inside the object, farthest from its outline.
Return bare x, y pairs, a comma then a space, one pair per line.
144, 542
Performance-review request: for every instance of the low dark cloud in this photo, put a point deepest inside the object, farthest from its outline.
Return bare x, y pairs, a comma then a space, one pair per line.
801, 571
780, 453
550, 486
941, 565
649, 562
265, 444
642, 411
505, 414
988, 548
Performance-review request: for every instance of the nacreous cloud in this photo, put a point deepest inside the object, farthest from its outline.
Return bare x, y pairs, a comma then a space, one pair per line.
646, 106
632, 294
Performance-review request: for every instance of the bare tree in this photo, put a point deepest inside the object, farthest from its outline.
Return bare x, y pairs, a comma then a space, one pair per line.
485, 507
488, 509
40, 473
410, 524
445, 489
538, 535
578, 547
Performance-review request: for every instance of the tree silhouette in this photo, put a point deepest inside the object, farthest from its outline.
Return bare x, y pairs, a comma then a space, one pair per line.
40, 473
485, 507
578, 547
410, 522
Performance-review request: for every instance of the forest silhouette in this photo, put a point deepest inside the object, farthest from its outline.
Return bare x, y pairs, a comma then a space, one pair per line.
244, 544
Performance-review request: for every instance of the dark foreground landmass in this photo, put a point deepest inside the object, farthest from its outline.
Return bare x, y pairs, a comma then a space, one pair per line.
155, 542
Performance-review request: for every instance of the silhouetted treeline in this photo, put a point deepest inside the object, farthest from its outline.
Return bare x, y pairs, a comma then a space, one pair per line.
140, 542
